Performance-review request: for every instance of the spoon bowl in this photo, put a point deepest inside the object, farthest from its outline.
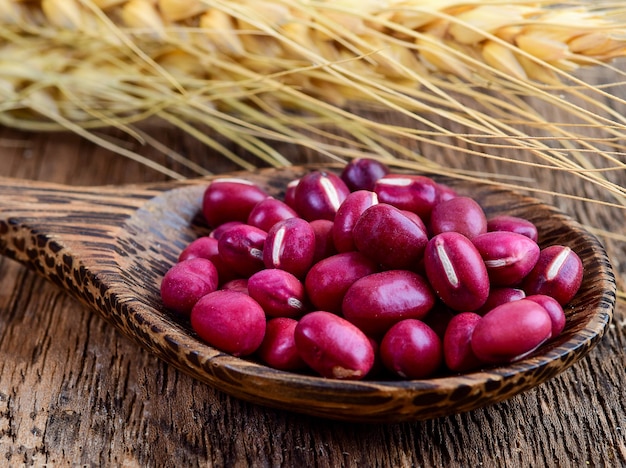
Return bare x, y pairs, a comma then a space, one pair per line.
109, 247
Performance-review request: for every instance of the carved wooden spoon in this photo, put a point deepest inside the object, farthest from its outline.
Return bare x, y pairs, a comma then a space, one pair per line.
110, 246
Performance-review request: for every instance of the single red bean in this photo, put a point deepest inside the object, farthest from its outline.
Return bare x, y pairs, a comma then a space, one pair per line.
324, 242
241, 249
207, 247
513, 224
362, 173
279, 292
411, 350
319, 194
237, 284
456, 271
460, 214
186, 282
457, 348
222, 228
268, 212
347, 215
389, 237
278, 349
444, 192
230, 199
558, 273
230, 321
500, 295
508, 256
555, 311
333, 347
290, 246
511, 331
376, 302
327, 281
408, 192
202, 247
290, 193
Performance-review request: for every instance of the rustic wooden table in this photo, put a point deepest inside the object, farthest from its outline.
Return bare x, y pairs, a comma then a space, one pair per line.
74, 391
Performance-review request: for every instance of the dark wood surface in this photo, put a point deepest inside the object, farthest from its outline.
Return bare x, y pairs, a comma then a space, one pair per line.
74, 391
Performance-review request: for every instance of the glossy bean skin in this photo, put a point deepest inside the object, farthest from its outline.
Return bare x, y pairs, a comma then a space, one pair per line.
558, 273
319, 194
241, 249
324, 242
459, 214
278, 349
347, 216
511, 331
390, 237
333, 347
457, 347
376, 302
508, 256
456, 271
237, 284
408, 192
222, 228
278, 292
207, 247
290, 246
554, 309
186, 282
500, 295
362, 173
411, 349
513, 224
268, 212
328, 280
230, 321
230, 199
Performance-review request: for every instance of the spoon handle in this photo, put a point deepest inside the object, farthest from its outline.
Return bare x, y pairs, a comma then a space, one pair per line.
42, 223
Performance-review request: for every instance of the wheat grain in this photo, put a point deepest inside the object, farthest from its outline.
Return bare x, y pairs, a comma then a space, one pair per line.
285, 71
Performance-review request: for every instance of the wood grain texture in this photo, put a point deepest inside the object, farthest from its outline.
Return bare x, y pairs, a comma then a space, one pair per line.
75, 392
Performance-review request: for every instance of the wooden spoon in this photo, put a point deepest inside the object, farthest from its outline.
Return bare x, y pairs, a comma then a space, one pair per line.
110, 246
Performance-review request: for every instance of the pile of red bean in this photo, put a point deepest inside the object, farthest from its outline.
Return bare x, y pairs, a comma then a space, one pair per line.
368, 273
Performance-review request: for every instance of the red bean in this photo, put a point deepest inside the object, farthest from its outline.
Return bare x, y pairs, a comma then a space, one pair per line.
230, 321
278, 349
241, 249
229, 199
456, 271
268, 212
324, 242
460, 214
513, 224
362, 173
279, 292
511, 331
389, 237
319, 194
222, 228
207, 247
376, 302
457, 348
554, 309
290, 246
411, 350
237, 284
408, 192
500, 295
186, 282
333, 347
508, 256
327, 281
558, 273
347, 215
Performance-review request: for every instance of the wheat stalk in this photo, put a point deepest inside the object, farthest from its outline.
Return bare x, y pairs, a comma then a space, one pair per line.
263, 71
